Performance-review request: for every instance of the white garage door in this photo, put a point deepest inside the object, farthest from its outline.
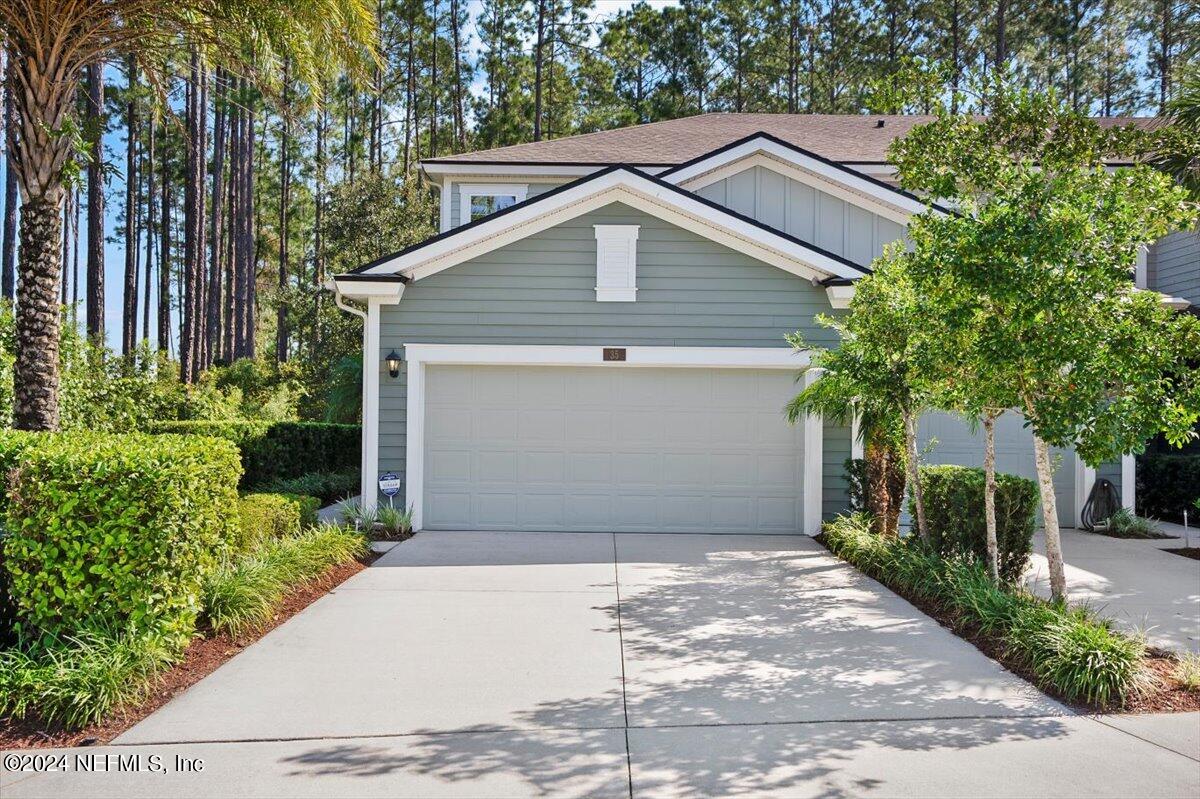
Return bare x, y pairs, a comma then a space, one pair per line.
949, 439
611, 449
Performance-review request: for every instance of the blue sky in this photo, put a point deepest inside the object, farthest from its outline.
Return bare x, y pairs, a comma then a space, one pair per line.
114, 153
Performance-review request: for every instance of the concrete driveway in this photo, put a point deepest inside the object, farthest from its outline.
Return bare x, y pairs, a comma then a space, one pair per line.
509, 664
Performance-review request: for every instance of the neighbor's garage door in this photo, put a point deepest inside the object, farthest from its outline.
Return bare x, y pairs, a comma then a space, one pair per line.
611, 448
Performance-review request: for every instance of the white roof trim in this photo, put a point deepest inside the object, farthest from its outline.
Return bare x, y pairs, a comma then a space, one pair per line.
765, 152
631, 188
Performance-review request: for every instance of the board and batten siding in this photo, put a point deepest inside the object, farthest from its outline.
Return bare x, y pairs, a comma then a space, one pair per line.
459, 215
541, 291
805, 212
1174, 266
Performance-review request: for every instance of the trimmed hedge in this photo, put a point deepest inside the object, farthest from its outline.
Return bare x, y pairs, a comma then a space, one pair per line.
328, 487
279, 450
1167, 484
118, 530
265, 516
1068, 651
954, 515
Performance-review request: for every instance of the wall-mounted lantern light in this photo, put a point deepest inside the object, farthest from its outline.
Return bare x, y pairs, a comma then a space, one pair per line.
393, 363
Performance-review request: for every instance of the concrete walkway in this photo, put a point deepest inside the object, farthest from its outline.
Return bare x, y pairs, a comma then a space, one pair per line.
508, 664
1131, 580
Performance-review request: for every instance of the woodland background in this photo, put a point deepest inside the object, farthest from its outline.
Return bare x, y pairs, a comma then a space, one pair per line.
213, 208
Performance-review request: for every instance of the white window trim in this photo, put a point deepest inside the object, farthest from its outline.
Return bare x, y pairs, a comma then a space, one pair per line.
467, 192
418, 357
617, 237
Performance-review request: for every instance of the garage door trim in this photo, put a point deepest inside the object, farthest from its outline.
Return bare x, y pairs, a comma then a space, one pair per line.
419, 356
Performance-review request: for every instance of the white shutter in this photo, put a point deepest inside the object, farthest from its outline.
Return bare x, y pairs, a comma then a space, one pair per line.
616, 263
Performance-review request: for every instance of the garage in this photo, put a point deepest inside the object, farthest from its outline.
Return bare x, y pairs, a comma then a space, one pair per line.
611, 448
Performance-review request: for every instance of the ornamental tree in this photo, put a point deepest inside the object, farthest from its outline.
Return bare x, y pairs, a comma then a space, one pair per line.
1038, 269
881, 367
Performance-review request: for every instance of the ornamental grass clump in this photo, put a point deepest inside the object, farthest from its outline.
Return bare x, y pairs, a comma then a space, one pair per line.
78, 679
245, 591
1068, 651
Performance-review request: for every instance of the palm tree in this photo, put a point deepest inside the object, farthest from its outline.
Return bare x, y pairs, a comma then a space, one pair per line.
51, 41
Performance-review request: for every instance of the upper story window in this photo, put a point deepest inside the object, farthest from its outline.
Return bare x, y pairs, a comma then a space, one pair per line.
481, 199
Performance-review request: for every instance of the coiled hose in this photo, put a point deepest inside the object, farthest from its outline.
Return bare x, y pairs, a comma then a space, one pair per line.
1102, 503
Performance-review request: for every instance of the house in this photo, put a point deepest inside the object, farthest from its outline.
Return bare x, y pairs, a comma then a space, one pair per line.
595, 338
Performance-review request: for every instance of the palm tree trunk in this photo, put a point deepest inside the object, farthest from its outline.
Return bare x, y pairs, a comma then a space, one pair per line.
95, 214
35, 373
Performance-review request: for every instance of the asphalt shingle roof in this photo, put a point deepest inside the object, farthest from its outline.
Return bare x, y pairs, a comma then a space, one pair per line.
845, 138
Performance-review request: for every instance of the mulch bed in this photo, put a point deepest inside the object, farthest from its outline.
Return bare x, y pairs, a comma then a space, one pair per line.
1187, 552
1163, 694
202, 657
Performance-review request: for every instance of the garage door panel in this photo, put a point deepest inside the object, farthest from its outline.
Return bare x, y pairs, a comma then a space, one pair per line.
611, 448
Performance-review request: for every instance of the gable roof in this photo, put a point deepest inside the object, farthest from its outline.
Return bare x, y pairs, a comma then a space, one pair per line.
619, 183
844, 138
709, 167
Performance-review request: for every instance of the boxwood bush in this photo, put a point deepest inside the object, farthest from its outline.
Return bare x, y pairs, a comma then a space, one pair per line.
265, 516
1068, 651
279, 450
1167, 484
954, 515
118, 530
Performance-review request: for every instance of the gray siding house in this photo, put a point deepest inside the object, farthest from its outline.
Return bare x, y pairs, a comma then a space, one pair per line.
594, 341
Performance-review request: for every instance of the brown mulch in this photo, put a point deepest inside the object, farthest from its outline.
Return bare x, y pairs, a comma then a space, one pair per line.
202, 657
1161, 694
1187, 552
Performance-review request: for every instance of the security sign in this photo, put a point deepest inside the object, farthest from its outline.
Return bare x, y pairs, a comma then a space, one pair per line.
389, 484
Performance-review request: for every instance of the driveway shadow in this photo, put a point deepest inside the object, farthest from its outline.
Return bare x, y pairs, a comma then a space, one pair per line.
744, 661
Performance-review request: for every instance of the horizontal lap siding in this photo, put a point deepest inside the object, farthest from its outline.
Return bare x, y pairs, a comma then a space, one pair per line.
1174, 266
541, 290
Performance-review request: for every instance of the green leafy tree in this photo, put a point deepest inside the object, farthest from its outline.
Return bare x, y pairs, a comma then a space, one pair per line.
880, 367
1047, 240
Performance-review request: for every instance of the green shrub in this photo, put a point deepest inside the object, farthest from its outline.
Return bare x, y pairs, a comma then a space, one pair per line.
306, 506
1068, 651
79, 679
244, 592
954, 515
1124, 524
118, 530
265, 516
280, 450
396, 522
1167, 484
329, 487
1187, 671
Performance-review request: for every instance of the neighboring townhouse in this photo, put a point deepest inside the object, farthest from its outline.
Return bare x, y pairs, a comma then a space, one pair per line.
595, 338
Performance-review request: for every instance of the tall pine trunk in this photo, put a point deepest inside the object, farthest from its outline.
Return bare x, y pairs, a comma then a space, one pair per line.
8, 228
285, 176
537, 70
95, 197
212, 321
164, 250
149, 225
989, 493
129, 305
